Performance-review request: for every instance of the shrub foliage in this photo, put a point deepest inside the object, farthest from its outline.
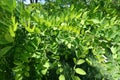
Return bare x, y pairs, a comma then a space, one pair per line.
60, 40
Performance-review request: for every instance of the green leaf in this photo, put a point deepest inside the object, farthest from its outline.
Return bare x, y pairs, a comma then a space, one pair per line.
3, 39
12, 33
37, 30
88, 61
95, 21
80, 61
4, 50
74, 59
113, 49
17, 62
80, 71
27, 74
29, 27
69, 45
47, 65
8, 38
72, 7
59, 70
84, 16
44, 71
96, 8
75, 78
78, 15
61, 77
113, 20
66, 18
15, 24
14, 3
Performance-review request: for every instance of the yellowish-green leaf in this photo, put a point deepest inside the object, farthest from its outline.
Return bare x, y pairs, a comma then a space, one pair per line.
80, 71
12, 33
61, 77
47, 65
96, 8
14, 24
72, 7
95, 21
85, 15
14, 3
72, 15
69, 45
113, 49
66, 18
81, 61
37, 30
88, 61
8, 37
113, 20
82, 22
44, 71
74, 59
78, 15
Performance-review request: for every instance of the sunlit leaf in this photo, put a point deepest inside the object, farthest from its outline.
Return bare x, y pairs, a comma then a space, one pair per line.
81, 61
14, 24
12, 33
74, 59
113, 49
47, 65
95, 10
95, 21
88, 61
44, 71
61, 77
72, 7
80, 71
69, 45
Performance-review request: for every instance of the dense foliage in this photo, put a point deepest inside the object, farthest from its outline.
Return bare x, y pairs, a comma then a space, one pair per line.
60, 40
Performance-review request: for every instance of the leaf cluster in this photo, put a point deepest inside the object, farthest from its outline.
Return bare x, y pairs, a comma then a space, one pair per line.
63, 41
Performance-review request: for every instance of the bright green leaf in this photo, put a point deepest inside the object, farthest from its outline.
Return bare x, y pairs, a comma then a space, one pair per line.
69, 45
88, 61
44, 71
74, 59
12, 33
72, 7
61, 77
113, 49
96, 8
80, 71
47, 65
81, 61
95, 21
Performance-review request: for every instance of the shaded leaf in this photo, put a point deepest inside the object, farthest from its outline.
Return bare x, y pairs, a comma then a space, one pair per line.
4, 50
75, 78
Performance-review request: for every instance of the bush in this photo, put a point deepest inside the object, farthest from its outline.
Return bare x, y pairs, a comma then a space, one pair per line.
65, 43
